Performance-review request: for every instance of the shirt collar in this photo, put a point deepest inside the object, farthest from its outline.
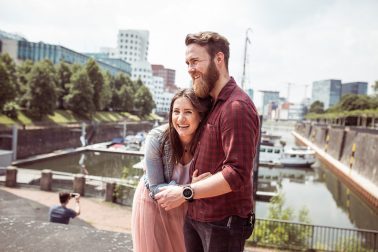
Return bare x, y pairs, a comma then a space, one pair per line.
227, 90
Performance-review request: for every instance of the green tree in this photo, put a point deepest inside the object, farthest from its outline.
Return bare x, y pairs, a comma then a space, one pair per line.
97, 80
23, 72
317, 107
64, 74
106, 94
7, 90
351, 102
80, 96
122, 93
137, 84
41, 96
143, 101
10, 67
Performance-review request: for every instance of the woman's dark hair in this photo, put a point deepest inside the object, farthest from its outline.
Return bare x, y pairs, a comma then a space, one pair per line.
202, 106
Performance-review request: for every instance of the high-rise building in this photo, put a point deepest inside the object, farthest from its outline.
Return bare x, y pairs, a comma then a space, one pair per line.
133, 45
326, 91
167, 74
270, 101
354, 88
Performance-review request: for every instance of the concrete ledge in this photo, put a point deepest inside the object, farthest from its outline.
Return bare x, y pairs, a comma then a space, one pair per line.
360, 184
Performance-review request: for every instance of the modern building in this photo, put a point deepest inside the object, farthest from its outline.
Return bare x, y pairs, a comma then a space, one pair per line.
115, 62
20, 49
161, 97
359, 88
326, 91
132, 45
167, 74
270, 101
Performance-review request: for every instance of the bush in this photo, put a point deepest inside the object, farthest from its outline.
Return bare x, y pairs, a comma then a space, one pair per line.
10, 109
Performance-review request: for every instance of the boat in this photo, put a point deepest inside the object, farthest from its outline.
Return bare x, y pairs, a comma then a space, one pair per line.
293, 157
298, 157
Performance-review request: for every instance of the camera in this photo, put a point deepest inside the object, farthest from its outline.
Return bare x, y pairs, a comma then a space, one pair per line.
73, 195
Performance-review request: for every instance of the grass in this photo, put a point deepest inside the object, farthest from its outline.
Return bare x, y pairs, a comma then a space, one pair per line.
67, 117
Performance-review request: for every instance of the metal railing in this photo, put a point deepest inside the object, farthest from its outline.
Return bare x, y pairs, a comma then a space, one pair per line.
305, 237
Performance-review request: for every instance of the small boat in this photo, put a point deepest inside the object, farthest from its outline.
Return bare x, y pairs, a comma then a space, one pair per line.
298, 157
294, 157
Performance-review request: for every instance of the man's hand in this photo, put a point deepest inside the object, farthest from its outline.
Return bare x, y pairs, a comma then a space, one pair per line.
196, 178
170, 197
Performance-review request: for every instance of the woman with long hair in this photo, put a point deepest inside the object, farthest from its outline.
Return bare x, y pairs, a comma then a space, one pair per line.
169, 150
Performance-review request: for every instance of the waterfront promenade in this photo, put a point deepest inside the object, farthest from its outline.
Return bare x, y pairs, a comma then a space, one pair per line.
101, 226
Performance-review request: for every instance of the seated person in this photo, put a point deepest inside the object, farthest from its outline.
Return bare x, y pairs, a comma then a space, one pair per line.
62, 214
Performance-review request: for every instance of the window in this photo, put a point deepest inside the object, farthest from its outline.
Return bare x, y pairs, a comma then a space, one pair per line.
270, 150
277, 151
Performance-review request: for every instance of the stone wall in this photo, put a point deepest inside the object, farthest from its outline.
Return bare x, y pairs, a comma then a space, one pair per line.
48, 139
340, 144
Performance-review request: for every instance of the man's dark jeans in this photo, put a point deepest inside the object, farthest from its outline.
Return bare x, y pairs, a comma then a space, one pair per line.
227, 235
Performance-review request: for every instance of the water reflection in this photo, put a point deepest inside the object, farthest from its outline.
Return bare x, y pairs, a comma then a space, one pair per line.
93, 163
328, 200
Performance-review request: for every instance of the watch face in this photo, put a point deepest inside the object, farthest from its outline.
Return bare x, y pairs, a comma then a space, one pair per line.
187, 192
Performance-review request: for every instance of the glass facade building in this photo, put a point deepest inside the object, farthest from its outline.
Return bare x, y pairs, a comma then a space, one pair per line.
354, 88
326, 91
55, 53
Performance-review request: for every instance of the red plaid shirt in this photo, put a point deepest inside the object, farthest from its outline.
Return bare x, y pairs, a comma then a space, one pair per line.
228, 145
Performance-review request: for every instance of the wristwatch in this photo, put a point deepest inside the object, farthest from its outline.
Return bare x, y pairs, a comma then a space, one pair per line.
188, 193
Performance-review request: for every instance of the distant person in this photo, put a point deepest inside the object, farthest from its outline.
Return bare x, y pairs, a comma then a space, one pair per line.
62, 214
169, 151
220, 213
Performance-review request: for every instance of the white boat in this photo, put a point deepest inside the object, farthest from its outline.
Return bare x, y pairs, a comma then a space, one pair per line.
294, 157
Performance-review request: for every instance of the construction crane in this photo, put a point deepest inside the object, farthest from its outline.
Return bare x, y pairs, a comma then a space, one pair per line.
247, 41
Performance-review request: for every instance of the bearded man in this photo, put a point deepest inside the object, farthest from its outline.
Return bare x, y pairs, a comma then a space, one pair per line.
220, 216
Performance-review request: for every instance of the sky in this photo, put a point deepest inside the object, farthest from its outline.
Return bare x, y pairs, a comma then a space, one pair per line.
291, 41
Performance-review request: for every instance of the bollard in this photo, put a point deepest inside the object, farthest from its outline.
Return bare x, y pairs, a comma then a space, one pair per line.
109, 192
79, 184
11, 176
46, 180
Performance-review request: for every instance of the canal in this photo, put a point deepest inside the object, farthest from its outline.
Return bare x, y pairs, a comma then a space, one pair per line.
328, 200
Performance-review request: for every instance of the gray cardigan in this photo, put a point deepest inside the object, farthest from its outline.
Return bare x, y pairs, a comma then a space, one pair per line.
159, 168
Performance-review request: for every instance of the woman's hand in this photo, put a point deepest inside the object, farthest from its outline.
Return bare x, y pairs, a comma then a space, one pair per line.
196, 178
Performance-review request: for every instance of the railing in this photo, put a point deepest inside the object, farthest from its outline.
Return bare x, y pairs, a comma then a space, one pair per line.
305, 237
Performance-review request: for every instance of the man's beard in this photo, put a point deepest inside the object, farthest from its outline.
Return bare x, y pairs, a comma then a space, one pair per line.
202, 87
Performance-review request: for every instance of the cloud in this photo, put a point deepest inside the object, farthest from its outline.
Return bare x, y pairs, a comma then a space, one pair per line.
292, 41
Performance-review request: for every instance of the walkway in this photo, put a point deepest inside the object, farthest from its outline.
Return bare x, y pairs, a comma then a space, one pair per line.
101, 226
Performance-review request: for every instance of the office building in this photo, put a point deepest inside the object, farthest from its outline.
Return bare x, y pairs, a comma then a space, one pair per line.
20, 49
326, 91
359, 88
270, 101
167, 74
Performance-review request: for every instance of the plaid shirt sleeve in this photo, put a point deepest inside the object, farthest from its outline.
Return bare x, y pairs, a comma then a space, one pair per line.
239, 125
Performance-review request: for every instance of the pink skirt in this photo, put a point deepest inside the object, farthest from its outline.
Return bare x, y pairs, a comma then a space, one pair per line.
154, 229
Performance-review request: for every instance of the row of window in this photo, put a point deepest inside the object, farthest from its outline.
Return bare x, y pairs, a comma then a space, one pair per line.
131, 53
126, 35
131, 41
